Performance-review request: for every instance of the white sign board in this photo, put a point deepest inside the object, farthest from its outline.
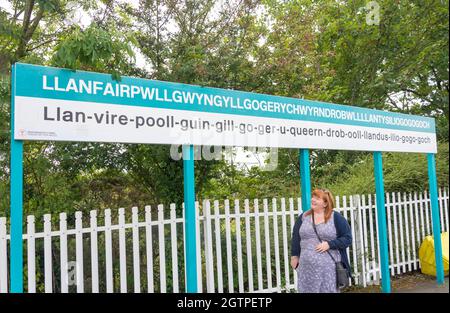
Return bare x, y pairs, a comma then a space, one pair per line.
64, 105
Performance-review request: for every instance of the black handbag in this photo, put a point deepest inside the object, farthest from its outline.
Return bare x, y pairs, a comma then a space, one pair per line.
342, 279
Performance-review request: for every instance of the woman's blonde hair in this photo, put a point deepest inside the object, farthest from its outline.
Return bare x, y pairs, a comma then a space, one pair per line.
328, 198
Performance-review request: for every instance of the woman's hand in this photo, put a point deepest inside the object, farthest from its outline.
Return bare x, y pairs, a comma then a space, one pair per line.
322, 247
294, 262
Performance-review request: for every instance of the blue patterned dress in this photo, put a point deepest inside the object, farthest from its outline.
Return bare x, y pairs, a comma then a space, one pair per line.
316, 270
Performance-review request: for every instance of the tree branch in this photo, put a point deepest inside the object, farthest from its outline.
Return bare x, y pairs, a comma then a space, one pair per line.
34, 24
41, 44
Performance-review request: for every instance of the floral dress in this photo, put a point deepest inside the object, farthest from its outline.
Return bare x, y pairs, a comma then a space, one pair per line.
317, 270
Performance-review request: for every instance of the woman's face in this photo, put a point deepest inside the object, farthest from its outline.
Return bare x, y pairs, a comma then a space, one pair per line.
317, 204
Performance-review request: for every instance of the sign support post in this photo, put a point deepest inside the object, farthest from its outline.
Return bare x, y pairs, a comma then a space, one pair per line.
305, 179
189, 209
16, 194
435, 218
382, 231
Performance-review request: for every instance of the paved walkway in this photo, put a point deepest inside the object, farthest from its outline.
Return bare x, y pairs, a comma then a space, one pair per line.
414, 282
425, 287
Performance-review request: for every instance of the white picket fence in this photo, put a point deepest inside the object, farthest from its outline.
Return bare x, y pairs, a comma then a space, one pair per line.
238, 251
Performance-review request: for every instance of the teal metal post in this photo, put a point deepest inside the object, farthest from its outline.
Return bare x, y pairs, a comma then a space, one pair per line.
382, 230
189, 209
16, 202
305, 179
435, 218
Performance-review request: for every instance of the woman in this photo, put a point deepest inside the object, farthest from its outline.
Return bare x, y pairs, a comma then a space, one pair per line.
316, 269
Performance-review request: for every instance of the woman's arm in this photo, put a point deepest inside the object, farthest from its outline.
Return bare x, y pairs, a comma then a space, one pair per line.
343, 232
295, 241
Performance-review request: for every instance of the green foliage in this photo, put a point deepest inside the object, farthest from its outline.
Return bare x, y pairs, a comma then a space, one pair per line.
95, 48
315, 50
402, 172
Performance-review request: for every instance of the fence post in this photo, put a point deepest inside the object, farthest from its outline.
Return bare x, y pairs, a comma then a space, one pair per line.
149, 248
136, 254
239, 245
162, 250
48, 254
209, 259
174, 246
63, 254
94, 251
108, 253
199, 248
79, 251
3, 257
217, 230
31, 254
249, 246
359, 247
